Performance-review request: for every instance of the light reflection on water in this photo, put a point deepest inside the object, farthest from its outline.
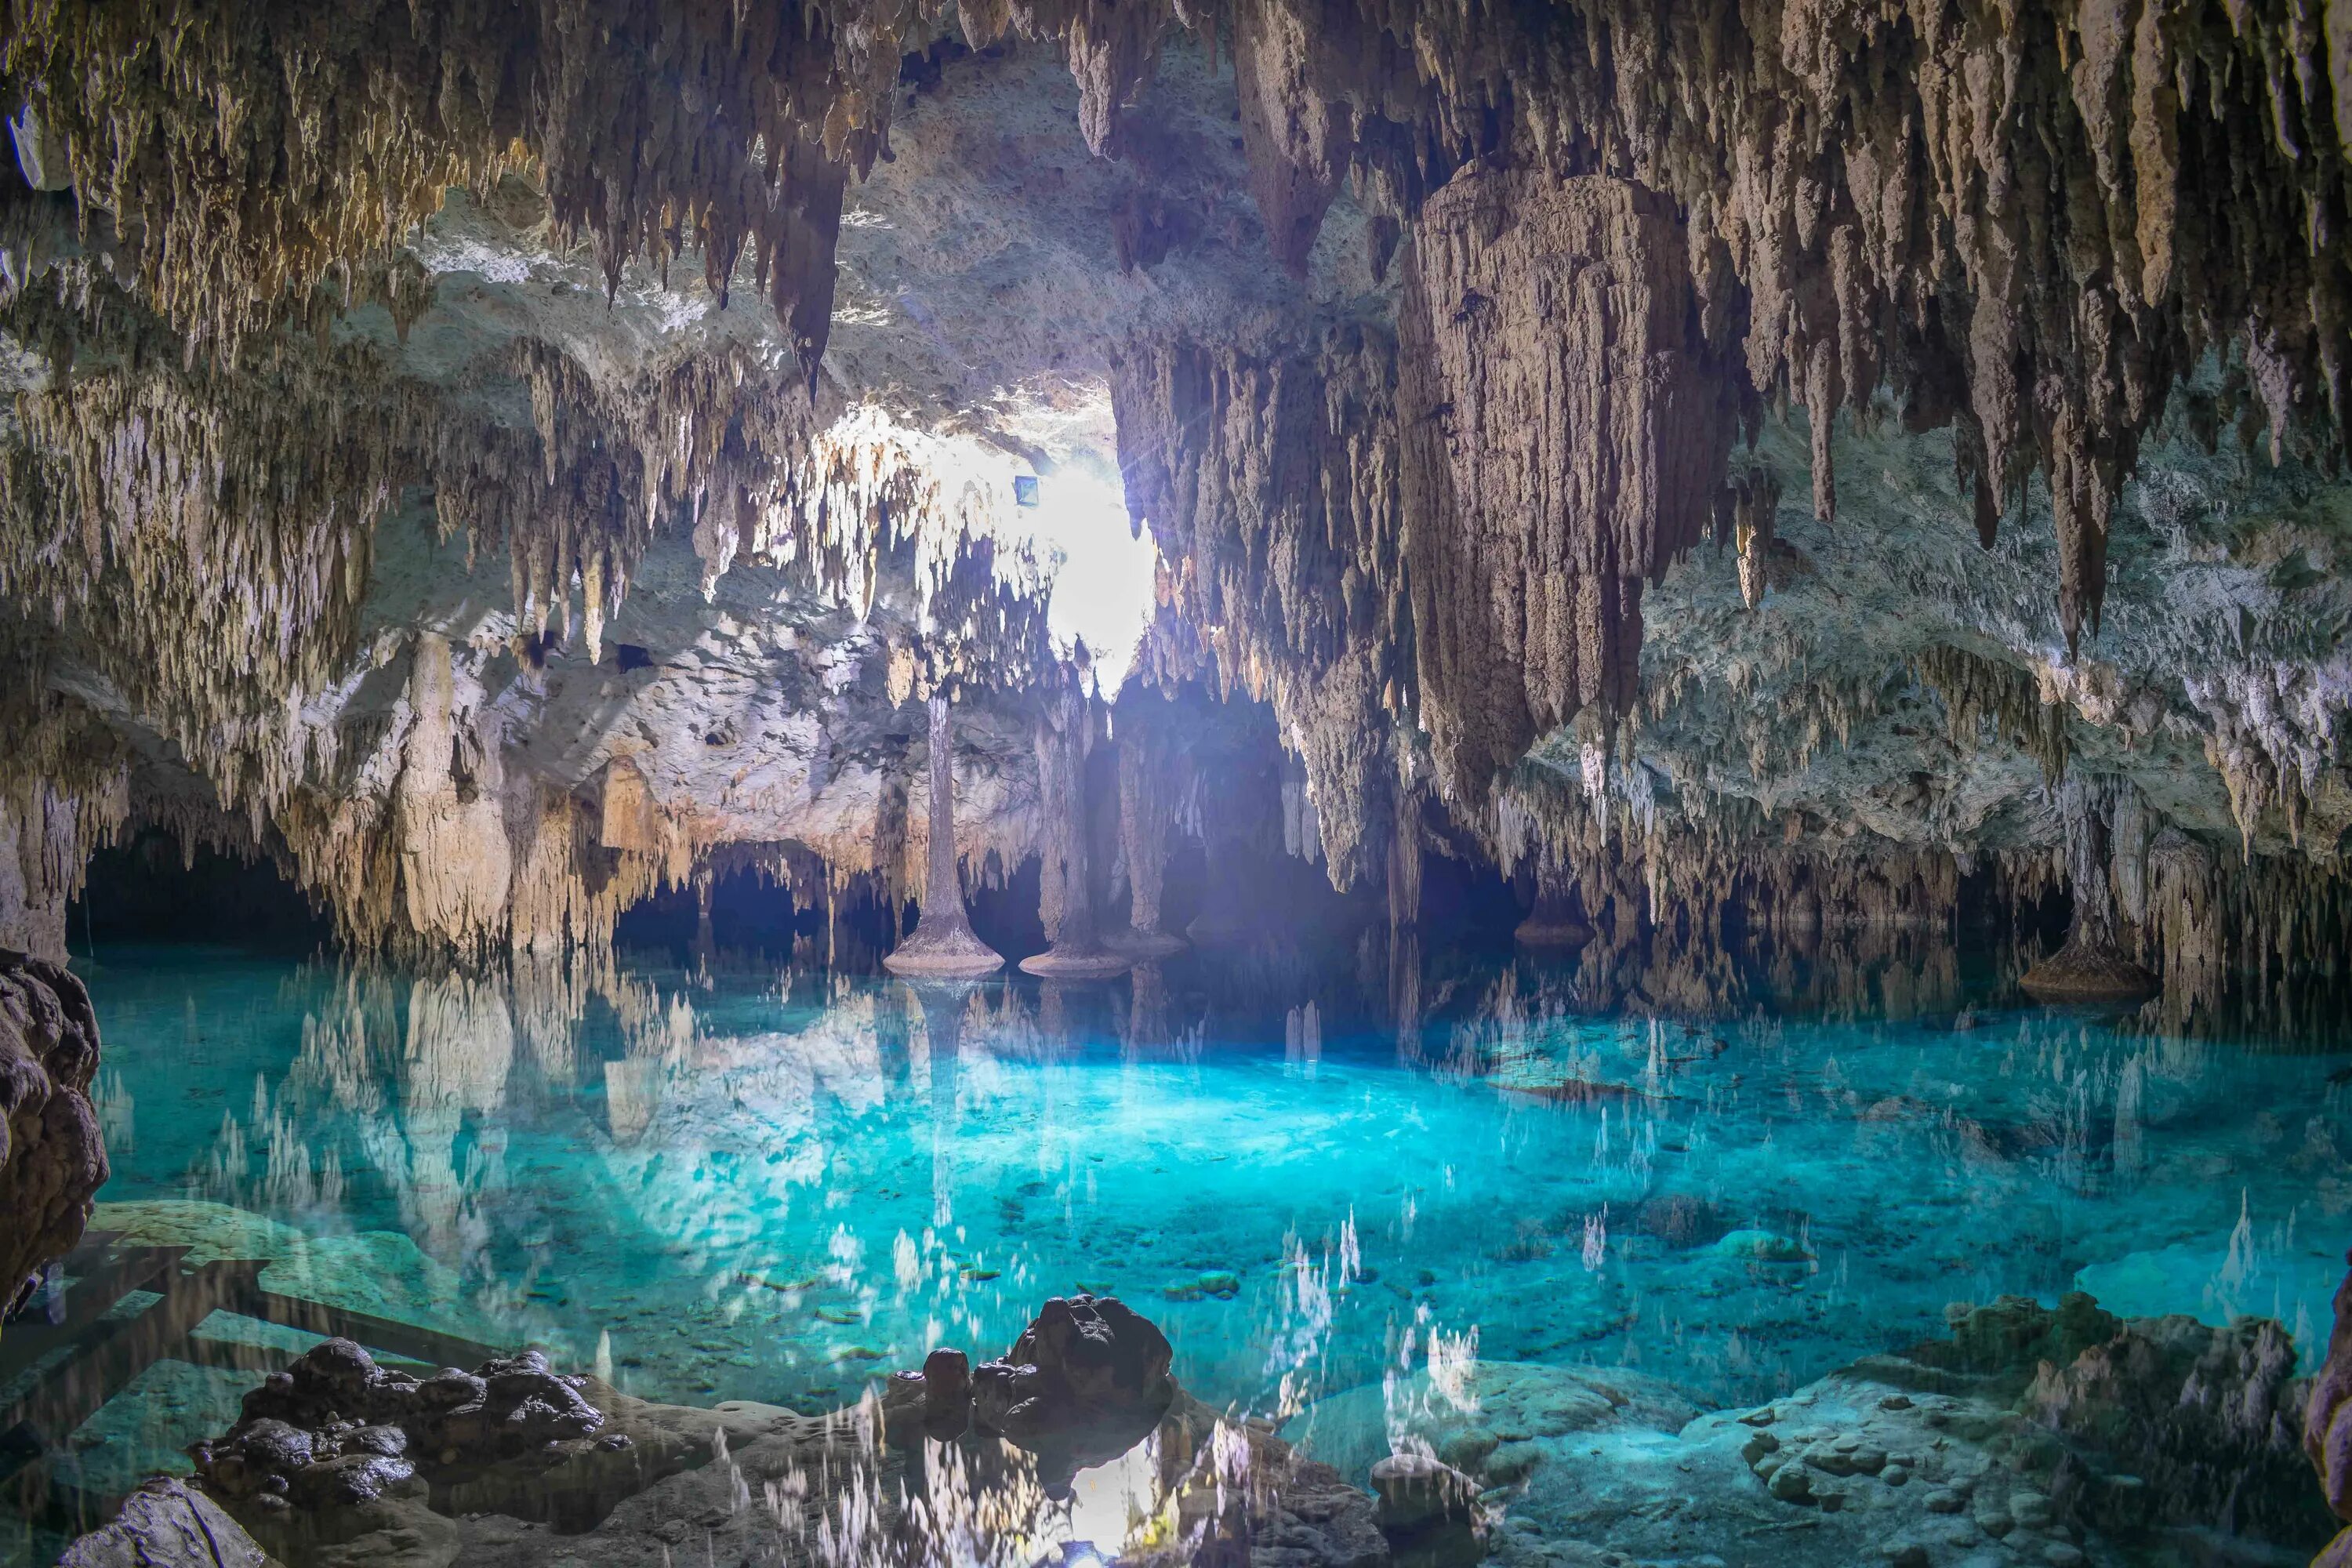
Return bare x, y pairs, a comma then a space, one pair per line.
777, 1187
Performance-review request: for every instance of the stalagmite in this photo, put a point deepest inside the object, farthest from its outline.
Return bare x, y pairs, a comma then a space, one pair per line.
1553, 920
942, 945
1064, 734
2092, 966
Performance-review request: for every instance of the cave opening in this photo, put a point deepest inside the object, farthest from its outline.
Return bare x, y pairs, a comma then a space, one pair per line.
152, 888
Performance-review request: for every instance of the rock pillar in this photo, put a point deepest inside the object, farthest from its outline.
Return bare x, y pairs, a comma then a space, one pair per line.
943, 944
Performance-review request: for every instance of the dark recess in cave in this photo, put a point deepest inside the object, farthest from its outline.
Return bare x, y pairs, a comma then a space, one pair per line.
149, 889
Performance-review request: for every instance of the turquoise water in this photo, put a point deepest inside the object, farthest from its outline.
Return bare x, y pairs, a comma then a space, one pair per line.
773, 1186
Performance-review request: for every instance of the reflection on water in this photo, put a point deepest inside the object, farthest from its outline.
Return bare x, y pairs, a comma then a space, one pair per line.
773, 1186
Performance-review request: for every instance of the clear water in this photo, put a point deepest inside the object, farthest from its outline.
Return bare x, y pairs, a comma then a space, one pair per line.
773, 1188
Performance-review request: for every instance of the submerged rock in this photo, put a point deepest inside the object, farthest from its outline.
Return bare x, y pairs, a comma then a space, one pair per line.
166, 1523
1086, 1382
2056, 1435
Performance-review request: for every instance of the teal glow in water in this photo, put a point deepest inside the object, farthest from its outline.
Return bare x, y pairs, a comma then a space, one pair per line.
754, 1190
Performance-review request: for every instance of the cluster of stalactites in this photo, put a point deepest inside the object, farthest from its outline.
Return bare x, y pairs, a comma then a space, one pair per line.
1977, 692
863, 494
206, 538
2028, 221
64, 791
1450, 529
1269, 481
251, 154
247, 154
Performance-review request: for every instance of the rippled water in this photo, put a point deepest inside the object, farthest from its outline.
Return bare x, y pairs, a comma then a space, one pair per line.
774, 1188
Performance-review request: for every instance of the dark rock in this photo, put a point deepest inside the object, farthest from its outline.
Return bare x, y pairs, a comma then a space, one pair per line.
336, 1428
52, 1157
1086, 1382
1428, 1512
947, 1395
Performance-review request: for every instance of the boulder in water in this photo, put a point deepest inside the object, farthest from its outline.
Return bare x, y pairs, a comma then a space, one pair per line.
1086, 1382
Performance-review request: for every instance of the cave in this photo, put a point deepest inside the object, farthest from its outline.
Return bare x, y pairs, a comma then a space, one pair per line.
1175, 783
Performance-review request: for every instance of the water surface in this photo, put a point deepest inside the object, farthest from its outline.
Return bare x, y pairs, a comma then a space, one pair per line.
775, 1185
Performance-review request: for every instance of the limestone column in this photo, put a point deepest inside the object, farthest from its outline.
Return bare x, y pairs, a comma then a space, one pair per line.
1143, 811
1078, 952
943, 944
2092, 965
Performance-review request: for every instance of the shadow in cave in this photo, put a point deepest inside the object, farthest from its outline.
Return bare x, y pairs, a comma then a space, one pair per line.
152, 889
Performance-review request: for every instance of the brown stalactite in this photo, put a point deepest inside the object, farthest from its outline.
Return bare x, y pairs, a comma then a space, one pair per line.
1404, 873
1268, 480
1296, 143
1146, 808
1563, 439
943, 943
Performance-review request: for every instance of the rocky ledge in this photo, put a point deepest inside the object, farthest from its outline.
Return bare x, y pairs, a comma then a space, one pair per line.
2057, 1436
341, 1463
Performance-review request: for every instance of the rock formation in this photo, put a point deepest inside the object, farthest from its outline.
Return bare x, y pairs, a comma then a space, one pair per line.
338, 1461
167, 1524
52, 1157
942, 945
1066, 733
2328, 1427
1086, 1382
1147, 785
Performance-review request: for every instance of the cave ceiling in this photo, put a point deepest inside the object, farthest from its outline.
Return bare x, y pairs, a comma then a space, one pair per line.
495, 459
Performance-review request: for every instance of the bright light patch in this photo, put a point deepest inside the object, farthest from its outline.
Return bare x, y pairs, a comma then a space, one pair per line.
1102, 572
1068, 527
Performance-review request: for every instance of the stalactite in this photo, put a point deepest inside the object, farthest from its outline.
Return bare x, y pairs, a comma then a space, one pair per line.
1065, 734
1268, 480
456, 866
1977, 208
943, 943
1976, 691
1563, 439
1147, 794
64, 791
